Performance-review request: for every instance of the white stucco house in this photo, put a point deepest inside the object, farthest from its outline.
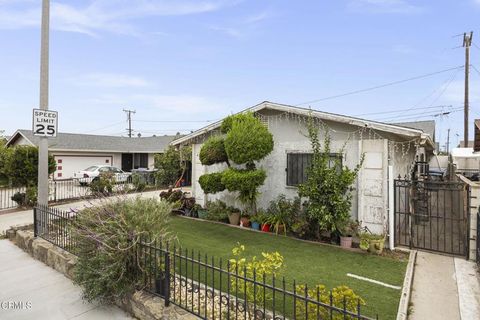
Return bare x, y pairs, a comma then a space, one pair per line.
73, 152
390, 151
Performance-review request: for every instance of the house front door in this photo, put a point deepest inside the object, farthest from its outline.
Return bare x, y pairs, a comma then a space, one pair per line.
127, 161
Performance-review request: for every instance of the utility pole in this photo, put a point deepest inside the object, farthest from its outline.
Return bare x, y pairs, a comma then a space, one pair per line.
448, 140
42, 187
129, 119
467, 42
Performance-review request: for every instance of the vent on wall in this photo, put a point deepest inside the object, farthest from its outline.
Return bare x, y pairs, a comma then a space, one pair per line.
264, 121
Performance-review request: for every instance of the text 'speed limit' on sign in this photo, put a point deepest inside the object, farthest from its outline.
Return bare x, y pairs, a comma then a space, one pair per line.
45, 123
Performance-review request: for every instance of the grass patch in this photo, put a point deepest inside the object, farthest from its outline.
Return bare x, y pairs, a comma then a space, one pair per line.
305, 262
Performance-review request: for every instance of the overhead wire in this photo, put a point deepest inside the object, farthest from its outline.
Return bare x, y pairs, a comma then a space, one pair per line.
379, 86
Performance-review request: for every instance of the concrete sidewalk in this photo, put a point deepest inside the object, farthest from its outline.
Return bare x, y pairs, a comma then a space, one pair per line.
23, 217
444, 287
31, 290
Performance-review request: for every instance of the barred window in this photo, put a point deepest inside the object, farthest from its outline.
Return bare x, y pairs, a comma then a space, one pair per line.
298, 164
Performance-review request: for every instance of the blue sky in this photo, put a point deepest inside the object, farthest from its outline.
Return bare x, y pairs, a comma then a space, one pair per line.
199, 60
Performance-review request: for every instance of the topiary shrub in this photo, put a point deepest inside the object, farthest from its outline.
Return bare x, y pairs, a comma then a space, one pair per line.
211, 182
106, 236
213, 151
248, 140
244, 181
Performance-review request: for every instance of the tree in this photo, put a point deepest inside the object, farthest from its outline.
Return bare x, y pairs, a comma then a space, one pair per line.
20, 165
246, 141
328, 186
171, 165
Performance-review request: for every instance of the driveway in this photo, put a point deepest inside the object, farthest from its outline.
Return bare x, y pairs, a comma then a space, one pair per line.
31, 290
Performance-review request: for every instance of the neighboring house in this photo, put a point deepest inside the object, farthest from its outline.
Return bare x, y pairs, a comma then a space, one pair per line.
382, 144
74, 152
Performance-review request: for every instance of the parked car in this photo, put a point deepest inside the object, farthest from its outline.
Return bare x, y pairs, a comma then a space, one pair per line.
92, 174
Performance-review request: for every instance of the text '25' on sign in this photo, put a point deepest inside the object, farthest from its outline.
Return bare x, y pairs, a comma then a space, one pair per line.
45, 123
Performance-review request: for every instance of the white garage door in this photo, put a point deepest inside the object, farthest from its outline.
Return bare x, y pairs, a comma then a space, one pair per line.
68, 165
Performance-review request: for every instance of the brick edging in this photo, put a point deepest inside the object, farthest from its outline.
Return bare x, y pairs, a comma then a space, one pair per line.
402, 313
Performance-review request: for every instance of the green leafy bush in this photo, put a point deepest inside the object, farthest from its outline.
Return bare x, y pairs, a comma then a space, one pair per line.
217, 211
342, 297
213, 151
328, 188
171, 164
270, 264
245, 181
20, 164
139, 182
211, 182
107, 236
248, 139
27, 198
103, 184
282, 211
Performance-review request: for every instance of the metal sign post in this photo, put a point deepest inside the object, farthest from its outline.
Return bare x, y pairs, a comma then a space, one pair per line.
42, 186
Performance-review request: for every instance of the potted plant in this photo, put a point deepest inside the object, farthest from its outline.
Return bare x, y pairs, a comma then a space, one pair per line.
278, 223
245, 220
201, 212
347, 230
265, 227
257, 219
373, 243
233, 216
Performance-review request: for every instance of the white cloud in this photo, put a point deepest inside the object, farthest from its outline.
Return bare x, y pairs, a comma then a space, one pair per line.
384, 6
110, 80
244, 26
114, 16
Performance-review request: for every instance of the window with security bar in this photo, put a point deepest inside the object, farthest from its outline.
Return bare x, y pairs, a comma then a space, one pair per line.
298, 164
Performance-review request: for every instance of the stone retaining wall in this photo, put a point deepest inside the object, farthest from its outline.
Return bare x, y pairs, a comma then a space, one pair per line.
141, 305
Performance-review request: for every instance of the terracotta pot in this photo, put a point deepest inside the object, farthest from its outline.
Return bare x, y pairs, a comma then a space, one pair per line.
234, 218
346, 242
265, 227
245, 222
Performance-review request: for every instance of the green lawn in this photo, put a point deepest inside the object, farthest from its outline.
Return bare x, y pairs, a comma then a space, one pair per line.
308, 263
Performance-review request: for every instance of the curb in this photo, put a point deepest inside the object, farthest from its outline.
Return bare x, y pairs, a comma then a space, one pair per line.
402, 313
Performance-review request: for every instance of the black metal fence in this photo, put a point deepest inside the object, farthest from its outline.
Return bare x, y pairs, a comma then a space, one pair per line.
211, 288
478, 238
75, 188
432, 215
55, 226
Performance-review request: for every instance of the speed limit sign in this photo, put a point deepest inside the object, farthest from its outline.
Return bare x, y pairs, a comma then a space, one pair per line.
45, 123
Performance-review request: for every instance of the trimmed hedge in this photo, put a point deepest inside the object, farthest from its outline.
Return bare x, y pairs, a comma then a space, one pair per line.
213, 151
245, 181
247, 140
212, 182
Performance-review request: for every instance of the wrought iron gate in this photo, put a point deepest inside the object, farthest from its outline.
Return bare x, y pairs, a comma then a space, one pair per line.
432, 215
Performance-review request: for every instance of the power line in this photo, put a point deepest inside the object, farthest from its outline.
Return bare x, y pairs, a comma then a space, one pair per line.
420, 117
400, 110
475, 68
173, 121
380, 86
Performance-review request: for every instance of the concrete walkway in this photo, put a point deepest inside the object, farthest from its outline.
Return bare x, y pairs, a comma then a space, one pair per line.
23, 217
442, 288
31, 290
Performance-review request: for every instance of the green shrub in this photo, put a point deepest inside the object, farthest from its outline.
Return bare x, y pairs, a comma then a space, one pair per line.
342, 297
248, 139
103, 184
169, 167
217, 211
27, 198
244, 181
211, 182
20, 164
107, 236
213, 151
283, 211
139, 182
